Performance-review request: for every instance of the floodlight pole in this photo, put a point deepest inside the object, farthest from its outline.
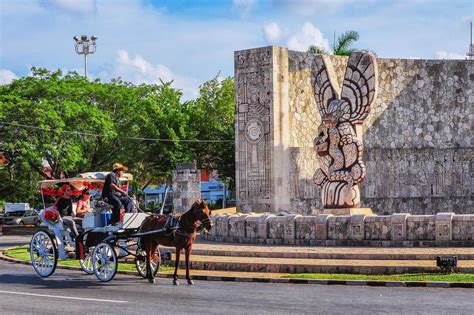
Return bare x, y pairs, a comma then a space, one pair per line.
85, 46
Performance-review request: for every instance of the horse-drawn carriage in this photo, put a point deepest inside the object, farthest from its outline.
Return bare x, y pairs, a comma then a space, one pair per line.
99, 247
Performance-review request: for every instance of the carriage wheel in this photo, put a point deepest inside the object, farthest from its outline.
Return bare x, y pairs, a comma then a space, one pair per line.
86, 263
104, 262
43, 253
140, 262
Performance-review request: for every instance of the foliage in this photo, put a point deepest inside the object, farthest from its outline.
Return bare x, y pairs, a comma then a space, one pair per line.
342, 47
75, 125
344, 42
454, 277
317, 50
22, 253
212, 117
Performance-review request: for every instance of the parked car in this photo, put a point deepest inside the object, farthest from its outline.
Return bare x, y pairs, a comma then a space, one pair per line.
13, 217
30, 217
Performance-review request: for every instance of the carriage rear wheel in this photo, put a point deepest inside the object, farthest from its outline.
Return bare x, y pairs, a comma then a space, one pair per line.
43, 253
104, 262
140, 262
86, 263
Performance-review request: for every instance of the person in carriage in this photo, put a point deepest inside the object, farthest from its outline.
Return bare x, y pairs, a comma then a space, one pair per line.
114, 195
84, 204
64, 206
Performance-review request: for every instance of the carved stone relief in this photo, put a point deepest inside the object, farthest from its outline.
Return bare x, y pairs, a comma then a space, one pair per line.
338, 146
254, 98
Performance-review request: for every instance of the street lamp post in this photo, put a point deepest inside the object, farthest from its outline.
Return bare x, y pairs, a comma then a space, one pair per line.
85, 46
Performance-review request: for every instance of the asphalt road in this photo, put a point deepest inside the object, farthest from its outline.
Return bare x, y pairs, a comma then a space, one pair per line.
74, 292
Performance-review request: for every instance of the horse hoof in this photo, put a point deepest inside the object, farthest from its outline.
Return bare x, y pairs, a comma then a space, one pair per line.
175, 282
152, 281
190, 282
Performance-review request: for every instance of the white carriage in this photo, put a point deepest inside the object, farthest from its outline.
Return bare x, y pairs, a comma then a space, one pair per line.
97, 247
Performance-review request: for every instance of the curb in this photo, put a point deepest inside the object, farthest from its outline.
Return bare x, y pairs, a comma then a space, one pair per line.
370, 283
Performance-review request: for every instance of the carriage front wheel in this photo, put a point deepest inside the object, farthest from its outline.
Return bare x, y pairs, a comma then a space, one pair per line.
140, 262
104, 262
43, 253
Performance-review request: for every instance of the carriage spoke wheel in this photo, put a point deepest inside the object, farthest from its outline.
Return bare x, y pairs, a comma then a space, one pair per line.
140, 262
104, 262
86, 263
43, 253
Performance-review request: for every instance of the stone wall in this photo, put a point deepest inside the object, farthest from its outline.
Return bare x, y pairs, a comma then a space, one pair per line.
186, 186
401, 229
417, 138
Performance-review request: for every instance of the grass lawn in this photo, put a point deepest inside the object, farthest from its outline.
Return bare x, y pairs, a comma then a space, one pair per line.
454, 277
22, 253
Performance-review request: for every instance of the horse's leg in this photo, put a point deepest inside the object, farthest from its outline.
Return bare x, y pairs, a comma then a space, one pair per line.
149, 252
187, 253
176, 265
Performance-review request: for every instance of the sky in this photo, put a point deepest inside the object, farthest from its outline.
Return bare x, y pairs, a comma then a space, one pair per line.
190, 42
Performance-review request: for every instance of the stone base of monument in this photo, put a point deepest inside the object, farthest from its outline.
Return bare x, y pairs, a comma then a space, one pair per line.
349, 211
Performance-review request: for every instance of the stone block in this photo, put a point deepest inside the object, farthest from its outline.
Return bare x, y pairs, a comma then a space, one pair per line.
256, 227
339, 227
305, 227
322, 226
421, 227
398, 222
349, 211
282, 227
222, 225
357, 227
444, 226
378, 227
237, 226
463, 227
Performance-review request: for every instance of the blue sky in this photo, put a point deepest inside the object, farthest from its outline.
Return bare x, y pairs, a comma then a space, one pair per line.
192, 41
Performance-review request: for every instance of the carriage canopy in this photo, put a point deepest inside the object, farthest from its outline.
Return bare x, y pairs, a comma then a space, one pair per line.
91, 180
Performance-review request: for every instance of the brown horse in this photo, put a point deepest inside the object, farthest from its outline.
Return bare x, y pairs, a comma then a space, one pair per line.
183, 237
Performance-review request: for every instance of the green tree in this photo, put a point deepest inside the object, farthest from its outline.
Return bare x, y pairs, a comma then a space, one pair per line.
75, 125
212, 118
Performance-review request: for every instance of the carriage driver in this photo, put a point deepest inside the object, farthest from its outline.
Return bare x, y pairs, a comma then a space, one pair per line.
114, 194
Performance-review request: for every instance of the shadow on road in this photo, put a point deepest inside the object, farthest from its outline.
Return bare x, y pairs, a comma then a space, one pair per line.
63, 281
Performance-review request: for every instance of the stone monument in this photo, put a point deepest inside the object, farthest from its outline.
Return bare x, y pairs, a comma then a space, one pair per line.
416, 135
338, 143
186, 186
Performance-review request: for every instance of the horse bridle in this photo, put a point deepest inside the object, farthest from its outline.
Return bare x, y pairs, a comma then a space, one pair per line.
183, 232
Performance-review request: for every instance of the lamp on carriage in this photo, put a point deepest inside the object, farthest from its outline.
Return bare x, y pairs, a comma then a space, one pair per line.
85, 46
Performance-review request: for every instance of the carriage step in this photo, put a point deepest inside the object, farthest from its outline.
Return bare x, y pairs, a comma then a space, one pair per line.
299, 265
312, 252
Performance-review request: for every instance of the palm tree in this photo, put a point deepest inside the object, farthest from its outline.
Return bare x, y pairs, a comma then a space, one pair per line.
344, 42
342, 47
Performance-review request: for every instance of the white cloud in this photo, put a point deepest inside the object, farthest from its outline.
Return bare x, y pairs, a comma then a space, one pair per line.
272, 32
449, 55
6, 76
138, 70
308, 35
71, 6
245, 6
310, 7
466, 18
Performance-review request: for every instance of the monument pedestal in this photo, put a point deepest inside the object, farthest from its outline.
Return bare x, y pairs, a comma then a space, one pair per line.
349, 211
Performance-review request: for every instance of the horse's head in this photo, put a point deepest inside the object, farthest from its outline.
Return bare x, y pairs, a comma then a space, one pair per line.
202, 213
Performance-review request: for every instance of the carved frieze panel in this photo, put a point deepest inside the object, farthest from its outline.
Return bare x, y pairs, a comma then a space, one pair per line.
253, 107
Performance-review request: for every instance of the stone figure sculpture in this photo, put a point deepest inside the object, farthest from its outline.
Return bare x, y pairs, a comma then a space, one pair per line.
338, 146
